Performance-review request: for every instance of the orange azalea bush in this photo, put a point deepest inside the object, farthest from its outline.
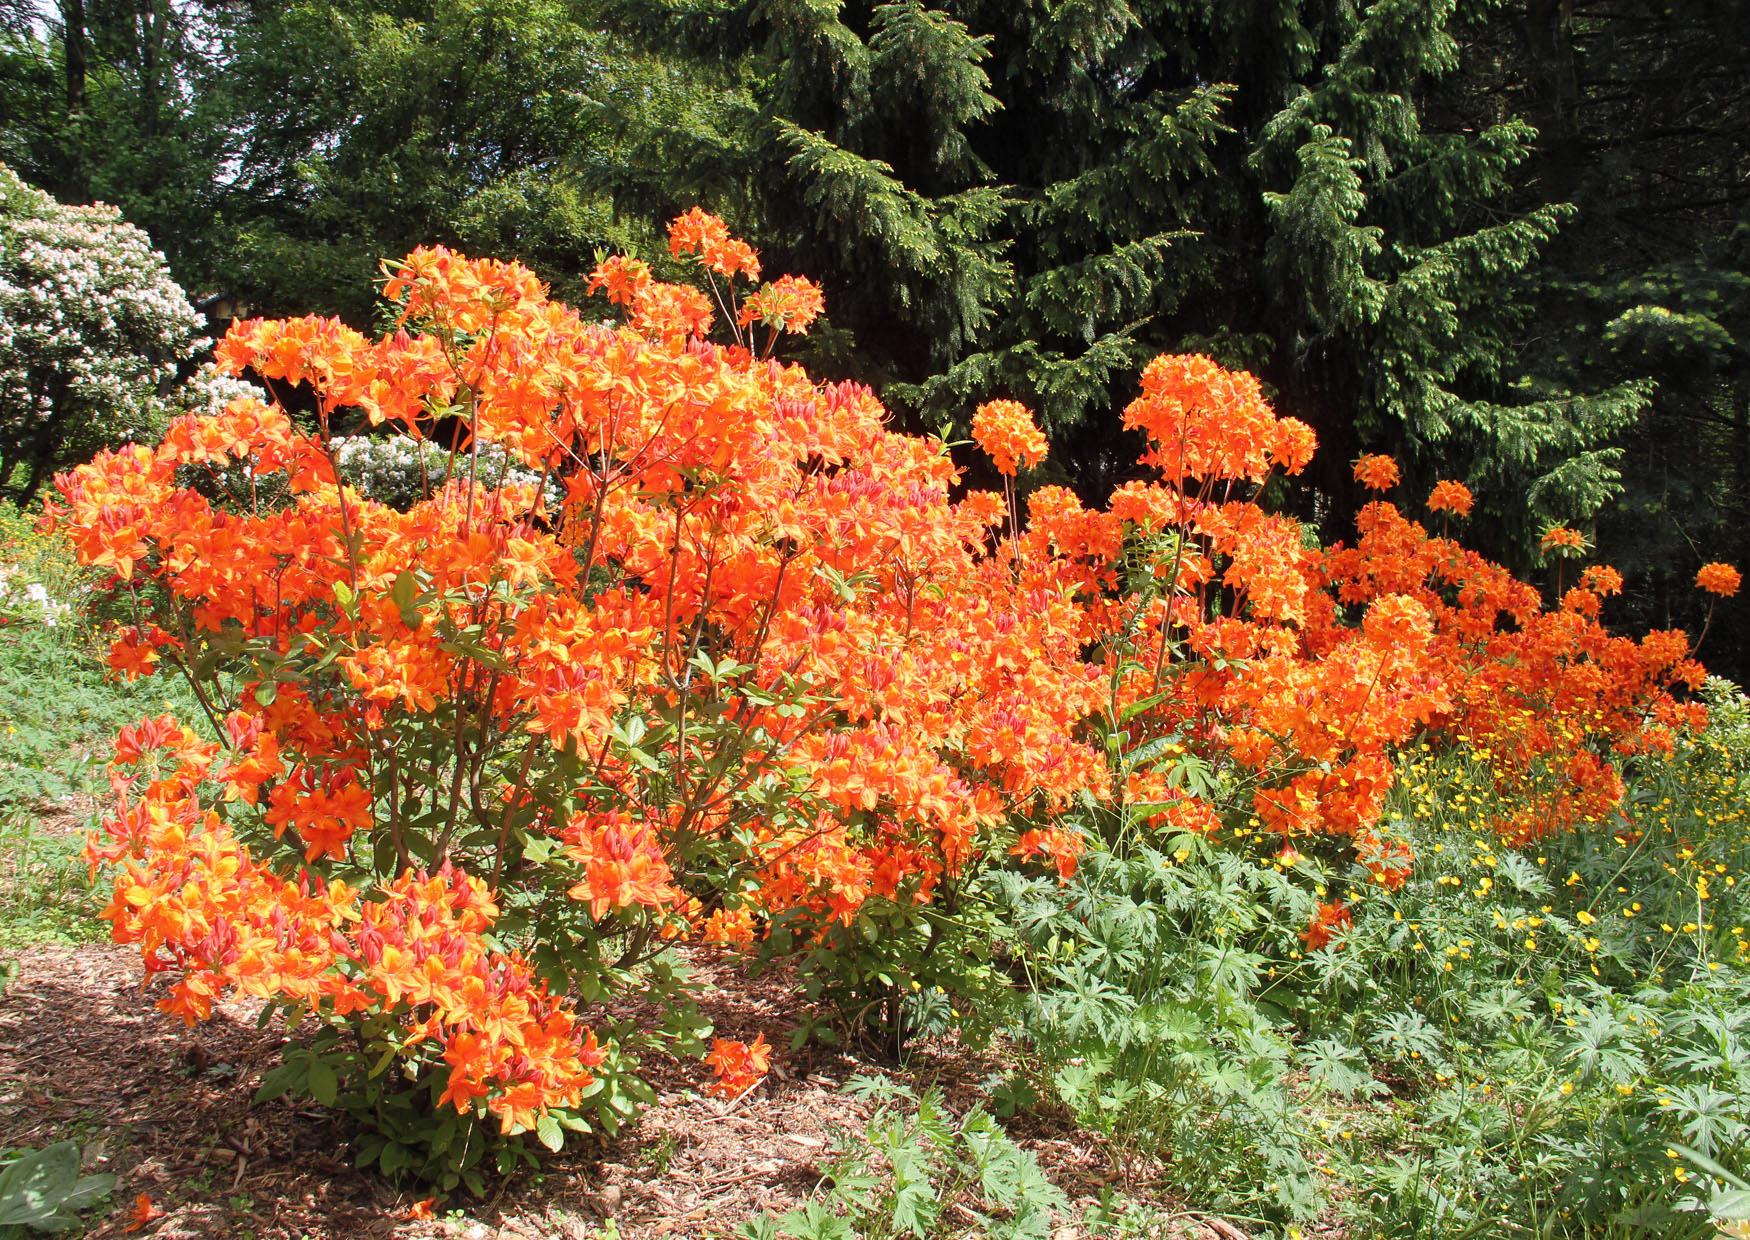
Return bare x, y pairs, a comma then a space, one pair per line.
765, 675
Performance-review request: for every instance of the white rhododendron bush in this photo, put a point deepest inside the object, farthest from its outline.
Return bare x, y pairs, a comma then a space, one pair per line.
92, 328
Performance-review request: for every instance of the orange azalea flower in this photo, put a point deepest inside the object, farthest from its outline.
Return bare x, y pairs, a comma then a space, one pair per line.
143, 1213
1389, 861
789, 302
1690, 673
623, 279
1294, 445
1378, 473
1563, 539
1453, 497
738, 1066
1582, 600
1719, 579
729, 928
1061, 846
698, 232
324, 810
134, 653
1005, 430
1328, 923
671, 311
135, 740
1210, 423
623, 864
518, 1107
1602, 580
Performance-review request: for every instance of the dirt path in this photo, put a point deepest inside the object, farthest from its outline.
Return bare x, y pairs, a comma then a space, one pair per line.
169, 1111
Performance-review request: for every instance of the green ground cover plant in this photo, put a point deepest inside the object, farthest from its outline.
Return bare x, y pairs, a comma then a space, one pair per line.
61, 712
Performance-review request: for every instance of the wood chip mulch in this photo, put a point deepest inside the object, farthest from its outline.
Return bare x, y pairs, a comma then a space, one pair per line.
170, 1112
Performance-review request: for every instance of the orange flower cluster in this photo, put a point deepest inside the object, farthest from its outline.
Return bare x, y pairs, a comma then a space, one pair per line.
1545, 698
1721, 580
737, 1066
143, 1213
1004, 430
1329, 923
698, 232
1453, 497
790, 303
1563, 541
201, 906
1377, 473
764, 660
1246, 440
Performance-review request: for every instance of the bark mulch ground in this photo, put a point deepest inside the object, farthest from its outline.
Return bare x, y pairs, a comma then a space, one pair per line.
170, 1111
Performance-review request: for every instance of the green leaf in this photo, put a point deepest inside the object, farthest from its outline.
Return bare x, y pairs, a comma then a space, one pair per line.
402, 594
278, 1082
35, 1183
394, 1159
89, 1190
324, 1086
1143, 705
549, 1133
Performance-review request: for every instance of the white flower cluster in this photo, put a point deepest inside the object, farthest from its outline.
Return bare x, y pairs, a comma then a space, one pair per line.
207, 391
388, 469
91, 323
24, 599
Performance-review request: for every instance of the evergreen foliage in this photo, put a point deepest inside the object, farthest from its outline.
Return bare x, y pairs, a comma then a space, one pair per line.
473, 124
1031, 200
1643, 116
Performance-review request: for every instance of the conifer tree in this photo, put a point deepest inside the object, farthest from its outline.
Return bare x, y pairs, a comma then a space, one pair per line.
854, 153
1030, 199
1643, 117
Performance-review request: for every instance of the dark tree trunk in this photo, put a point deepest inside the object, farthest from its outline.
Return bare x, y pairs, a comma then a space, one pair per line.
73, 41
1549, 38
150, 33
70, 181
